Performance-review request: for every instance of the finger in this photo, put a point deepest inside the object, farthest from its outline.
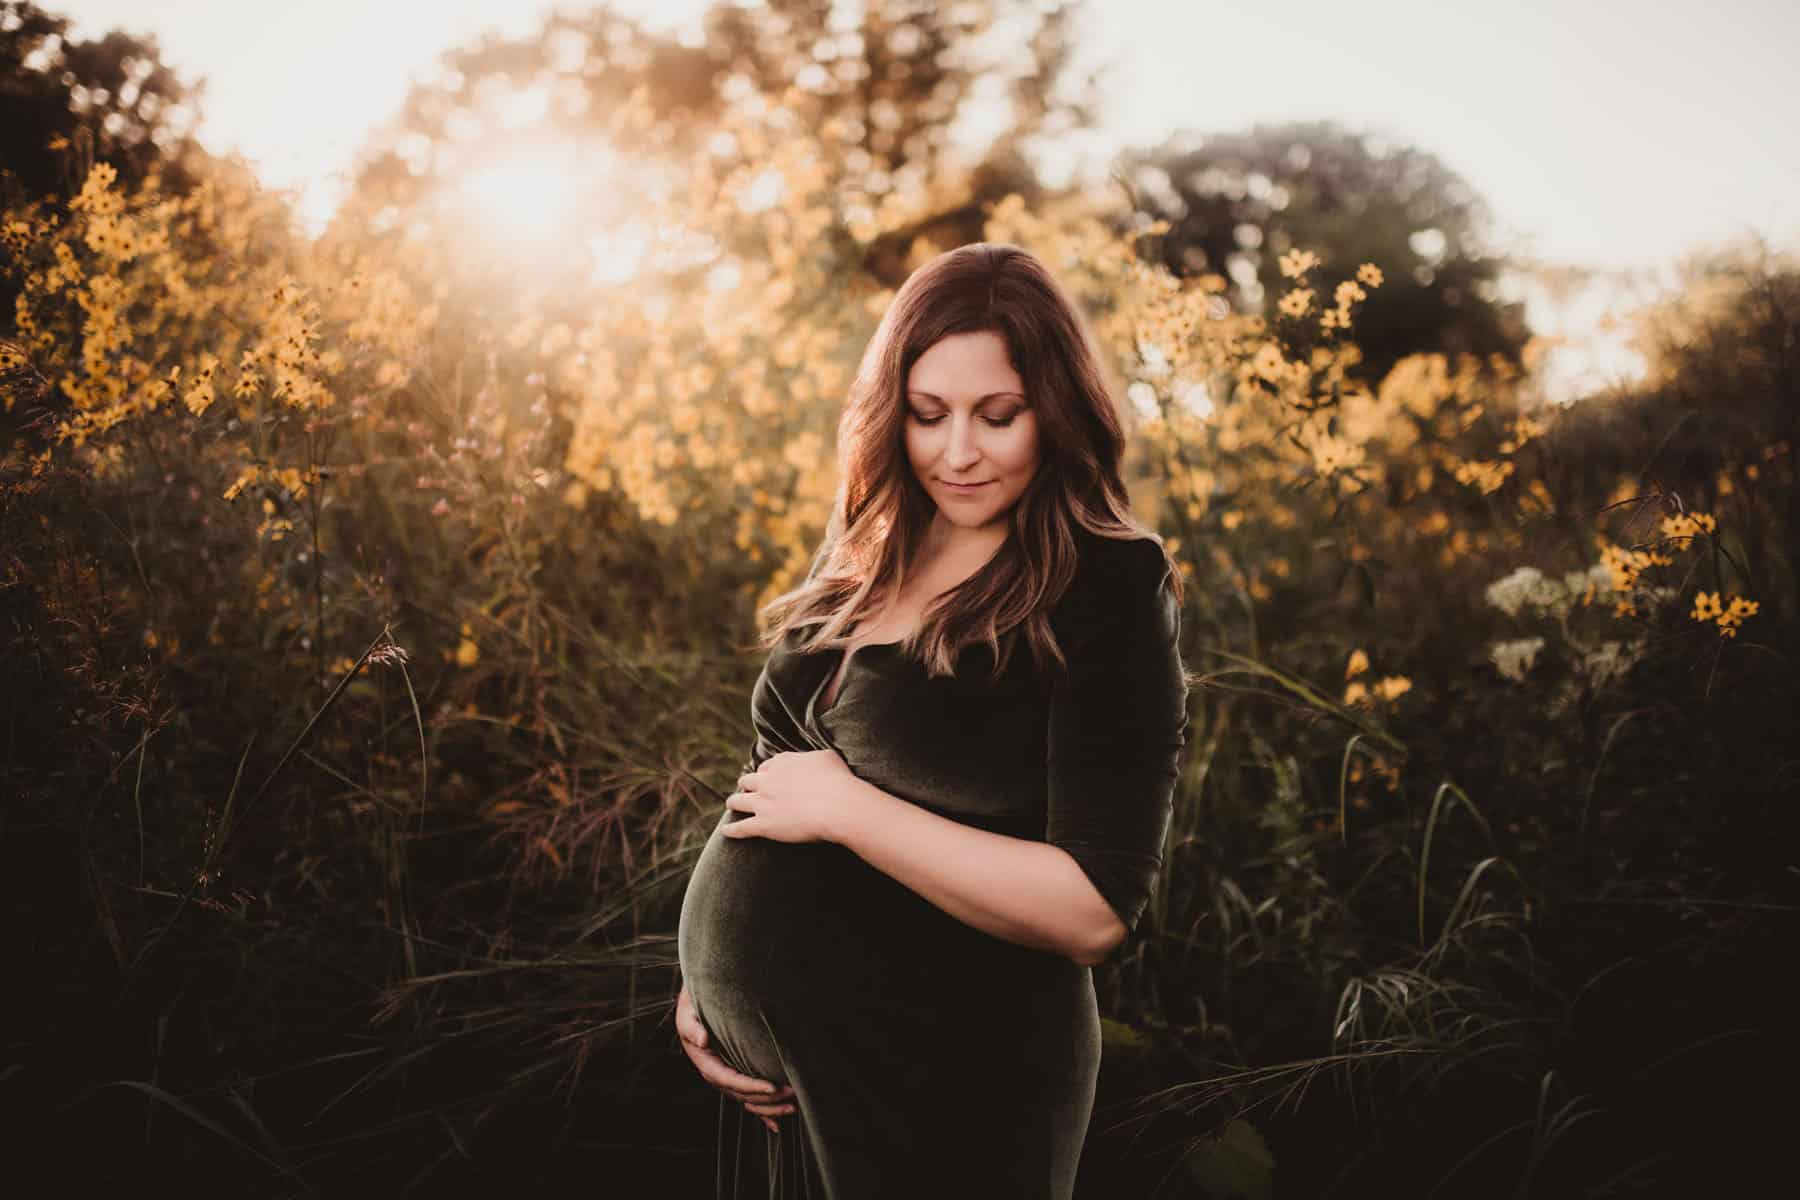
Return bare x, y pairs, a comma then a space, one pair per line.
761, 1095
737, 828
688, 1025
771, 1125
731, 1083
769, 1110
714, 1070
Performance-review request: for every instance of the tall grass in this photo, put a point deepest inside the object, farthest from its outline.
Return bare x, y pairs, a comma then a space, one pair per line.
382, 778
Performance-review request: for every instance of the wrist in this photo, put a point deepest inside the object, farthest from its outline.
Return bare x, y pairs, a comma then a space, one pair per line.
849, 817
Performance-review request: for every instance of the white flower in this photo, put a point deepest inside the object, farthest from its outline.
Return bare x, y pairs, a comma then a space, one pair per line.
1515, 658
1610, 661
1527, 585
1509, 593
1599, 575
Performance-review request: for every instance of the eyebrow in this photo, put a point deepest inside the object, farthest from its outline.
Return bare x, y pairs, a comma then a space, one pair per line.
983, 400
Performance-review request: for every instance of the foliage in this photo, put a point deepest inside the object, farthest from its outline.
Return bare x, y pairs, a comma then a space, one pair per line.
1488, 747
1237, 202
113, 95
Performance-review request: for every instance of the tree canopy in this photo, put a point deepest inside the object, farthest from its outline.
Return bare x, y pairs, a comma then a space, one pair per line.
1236, 202
110, 99
895, 92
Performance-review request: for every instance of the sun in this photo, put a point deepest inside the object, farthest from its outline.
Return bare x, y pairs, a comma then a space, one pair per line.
529, 195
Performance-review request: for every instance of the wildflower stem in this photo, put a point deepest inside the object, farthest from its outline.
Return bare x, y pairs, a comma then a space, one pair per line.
224, 833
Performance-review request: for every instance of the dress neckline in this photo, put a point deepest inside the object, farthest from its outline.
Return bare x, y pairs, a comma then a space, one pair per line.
839, 672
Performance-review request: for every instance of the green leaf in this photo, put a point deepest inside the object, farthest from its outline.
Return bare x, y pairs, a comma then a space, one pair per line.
1234, 1164
1116, 1037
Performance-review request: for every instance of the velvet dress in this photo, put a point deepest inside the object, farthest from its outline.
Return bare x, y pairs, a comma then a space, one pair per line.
927, 1057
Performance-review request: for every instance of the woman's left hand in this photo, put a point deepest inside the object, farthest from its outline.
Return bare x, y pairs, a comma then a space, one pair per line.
795, 796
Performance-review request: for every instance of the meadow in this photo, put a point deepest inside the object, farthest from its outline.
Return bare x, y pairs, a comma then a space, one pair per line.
377, 617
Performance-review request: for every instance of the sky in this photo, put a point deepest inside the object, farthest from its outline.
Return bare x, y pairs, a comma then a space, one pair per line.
1606, 133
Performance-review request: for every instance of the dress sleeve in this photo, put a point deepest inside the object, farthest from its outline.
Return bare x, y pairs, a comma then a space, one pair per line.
1117, 726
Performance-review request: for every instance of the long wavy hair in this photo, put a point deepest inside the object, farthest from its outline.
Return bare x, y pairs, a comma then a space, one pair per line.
881, 512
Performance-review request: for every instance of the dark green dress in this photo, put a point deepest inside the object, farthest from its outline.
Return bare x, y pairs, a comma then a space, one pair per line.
929, 1058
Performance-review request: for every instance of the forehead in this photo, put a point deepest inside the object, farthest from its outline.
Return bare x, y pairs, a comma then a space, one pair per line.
965, 364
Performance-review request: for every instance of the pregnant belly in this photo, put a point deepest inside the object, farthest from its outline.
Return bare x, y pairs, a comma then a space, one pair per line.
779, 938
772, 931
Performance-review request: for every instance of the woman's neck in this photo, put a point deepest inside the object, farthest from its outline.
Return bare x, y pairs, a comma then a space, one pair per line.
949, 544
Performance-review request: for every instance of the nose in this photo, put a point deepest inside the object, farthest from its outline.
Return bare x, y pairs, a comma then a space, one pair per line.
961, 453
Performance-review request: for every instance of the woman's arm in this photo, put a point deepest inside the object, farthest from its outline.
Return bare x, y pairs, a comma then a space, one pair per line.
1019, 890
1116, 730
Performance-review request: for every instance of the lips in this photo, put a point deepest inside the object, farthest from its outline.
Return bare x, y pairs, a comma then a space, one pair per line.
966, 487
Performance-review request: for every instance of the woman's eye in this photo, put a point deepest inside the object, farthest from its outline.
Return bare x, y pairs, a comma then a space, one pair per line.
928, 421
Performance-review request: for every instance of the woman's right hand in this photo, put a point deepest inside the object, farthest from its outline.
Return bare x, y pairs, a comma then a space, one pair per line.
760, 1096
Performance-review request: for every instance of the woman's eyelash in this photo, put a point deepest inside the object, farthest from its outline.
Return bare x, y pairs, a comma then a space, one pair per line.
989, 420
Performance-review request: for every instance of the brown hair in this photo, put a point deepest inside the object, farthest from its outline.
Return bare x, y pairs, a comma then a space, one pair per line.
881, 512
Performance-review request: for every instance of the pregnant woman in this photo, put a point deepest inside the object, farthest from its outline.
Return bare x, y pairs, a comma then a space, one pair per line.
967, 734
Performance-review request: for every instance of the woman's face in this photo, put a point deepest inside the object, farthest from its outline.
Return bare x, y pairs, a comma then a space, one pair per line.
968, 422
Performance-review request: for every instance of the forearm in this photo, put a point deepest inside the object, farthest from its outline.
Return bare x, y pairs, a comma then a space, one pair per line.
1022, 891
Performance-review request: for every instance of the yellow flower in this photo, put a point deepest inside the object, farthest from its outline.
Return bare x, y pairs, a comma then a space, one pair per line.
249, 475
1370, 274
1297, 301
199, 398
1488, 476
1297, 262
1706, 606
1393, 687
467, 651
1268, 362
1359, 662
1734, 616
1688, 525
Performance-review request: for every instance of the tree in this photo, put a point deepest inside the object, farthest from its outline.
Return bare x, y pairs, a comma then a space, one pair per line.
1237, 202
65, 104
891, 83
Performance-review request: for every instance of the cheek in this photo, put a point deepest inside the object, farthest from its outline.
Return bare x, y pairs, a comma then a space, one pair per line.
918, 451
1020, 453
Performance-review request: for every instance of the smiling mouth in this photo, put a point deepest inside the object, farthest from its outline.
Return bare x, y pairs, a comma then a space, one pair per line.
967, 486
